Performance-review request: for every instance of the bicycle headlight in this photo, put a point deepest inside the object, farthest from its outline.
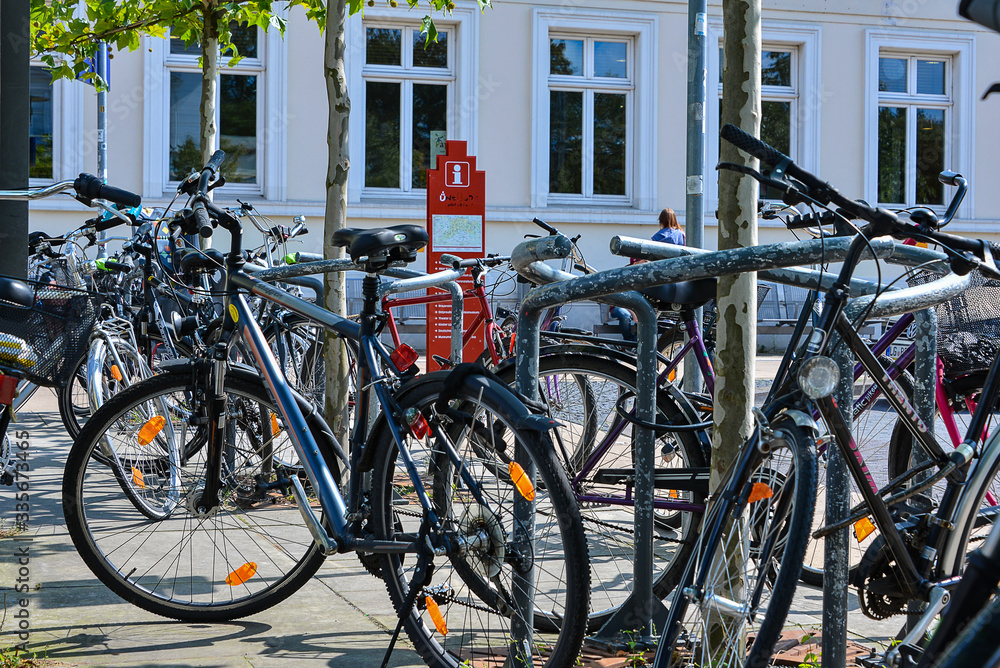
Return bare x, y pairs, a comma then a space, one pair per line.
818, 377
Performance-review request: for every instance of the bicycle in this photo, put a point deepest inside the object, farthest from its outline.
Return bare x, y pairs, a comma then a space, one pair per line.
916, 574
476, 519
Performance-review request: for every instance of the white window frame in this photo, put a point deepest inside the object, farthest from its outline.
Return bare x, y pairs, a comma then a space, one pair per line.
67, 131
803, 41
272, 104
960, 144
462, 25
640, 30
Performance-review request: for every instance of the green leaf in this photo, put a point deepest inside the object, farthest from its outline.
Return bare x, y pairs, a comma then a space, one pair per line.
427, 27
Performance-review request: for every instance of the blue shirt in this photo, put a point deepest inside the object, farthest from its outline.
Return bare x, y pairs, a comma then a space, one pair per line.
669, 235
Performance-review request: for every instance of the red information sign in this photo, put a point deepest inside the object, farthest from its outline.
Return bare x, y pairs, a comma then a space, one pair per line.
456, 216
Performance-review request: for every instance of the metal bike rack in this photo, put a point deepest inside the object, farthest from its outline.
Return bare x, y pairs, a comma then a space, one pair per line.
613, 287
409, 279
836, 566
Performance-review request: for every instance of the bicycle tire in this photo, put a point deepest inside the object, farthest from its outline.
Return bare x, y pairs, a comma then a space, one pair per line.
978, 644
73, 400
609, 527
773, 566
164, 575
876, 430
472, 591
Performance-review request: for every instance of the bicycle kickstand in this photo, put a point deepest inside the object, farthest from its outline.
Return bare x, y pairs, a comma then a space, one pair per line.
421, 578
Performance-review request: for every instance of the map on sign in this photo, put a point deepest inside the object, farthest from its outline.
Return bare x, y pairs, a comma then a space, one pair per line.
457, 233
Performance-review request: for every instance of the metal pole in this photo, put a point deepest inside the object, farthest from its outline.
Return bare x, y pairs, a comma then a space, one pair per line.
14, 119
101, 68
838, 493
694, 204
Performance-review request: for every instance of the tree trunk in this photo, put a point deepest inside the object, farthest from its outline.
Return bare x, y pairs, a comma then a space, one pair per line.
335, 292
737, 294
209, 78
209, 87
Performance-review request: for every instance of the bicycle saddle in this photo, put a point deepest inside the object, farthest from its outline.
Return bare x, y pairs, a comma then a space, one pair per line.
207, 260
17, 292
382, 245
686, 293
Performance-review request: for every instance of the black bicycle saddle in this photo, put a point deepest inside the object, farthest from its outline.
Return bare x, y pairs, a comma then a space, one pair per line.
686, 293
382, 245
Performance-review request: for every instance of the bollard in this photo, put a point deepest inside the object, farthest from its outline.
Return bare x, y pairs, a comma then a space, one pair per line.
838, 502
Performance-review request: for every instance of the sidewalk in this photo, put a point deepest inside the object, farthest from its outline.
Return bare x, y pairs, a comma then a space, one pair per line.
343, 617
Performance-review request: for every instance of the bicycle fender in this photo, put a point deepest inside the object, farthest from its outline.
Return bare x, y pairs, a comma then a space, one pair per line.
477, 383
800, 419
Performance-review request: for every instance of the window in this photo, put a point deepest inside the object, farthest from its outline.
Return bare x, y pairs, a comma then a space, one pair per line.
408, 87
594, 86
791, 97
407, 97
237, 114
916, 124
40, 123
250, 114
779, 102
914, 109
590, 91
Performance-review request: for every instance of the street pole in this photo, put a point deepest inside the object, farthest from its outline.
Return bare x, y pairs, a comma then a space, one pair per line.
15, 111
694, 204
101, 68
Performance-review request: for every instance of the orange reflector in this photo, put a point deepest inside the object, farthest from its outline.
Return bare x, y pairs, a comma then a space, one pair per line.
436, 616
759, 492
673, 494
404, 357
137, 478
863, 528
151, 429
241, 574
275, 428
418, 425
116, 372
521, 481
672, 376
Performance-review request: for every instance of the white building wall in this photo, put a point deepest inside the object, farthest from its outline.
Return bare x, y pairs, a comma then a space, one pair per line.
503, 94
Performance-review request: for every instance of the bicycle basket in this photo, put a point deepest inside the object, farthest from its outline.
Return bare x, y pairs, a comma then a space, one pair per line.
968, 325
45, 341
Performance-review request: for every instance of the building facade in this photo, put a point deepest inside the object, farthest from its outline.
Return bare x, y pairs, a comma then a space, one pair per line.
575, 109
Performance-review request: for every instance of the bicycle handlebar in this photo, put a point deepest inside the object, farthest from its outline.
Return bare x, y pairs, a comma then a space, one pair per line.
208, 172
883, 221
456, 262
90, 187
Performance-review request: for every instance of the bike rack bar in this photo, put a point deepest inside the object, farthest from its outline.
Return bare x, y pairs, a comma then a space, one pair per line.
449, 284
442, 279
694, 264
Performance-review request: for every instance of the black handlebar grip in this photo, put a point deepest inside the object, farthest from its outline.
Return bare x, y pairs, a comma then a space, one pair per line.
203, 220
117, 267
750, 144
545, 226
995, 249
108, 223
89, 186
216, 161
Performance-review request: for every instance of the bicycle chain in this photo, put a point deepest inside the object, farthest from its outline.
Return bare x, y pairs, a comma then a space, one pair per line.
622, 529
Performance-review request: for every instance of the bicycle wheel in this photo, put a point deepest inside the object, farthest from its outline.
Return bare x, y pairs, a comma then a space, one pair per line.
742, 582
875, 429
248, 553
473, 587
73, 400
596, 446
978, 644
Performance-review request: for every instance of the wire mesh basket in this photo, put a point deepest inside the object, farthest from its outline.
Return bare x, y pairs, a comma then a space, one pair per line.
968, 325
46, 340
